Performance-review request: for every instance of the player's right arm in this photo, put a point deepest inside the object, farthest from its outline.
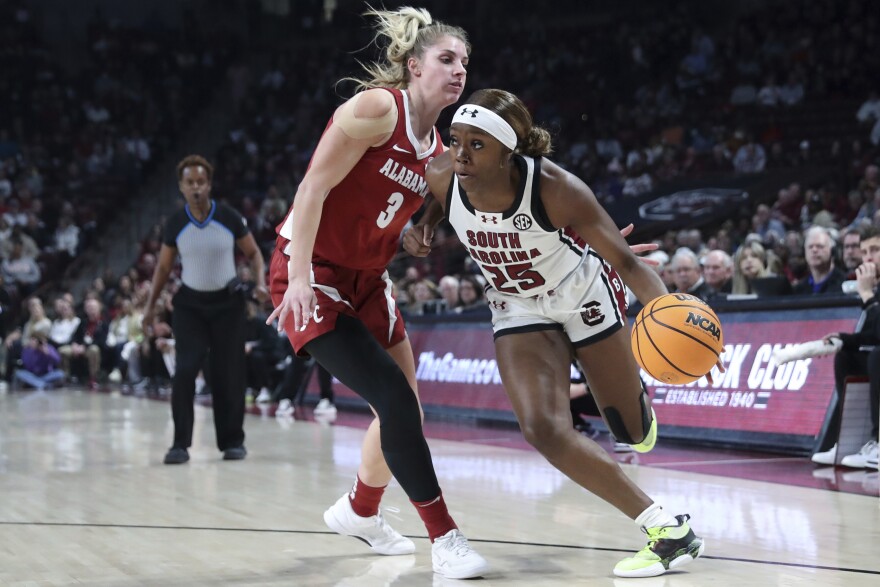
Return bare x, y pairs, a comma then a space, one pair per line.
438, 174
364, 121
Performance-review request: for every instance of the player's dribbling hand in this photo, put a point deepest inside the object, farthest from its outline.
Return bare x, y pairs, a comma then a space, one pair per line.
721, 369
299, 301
417, 240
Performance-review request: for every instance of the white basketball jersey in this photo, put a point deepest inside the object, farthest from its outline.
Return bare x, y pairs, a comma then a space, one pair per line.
519, 250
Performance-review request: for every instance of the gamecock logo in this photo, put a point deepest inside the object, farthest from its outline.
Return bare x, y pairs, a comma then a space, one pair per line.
592, 314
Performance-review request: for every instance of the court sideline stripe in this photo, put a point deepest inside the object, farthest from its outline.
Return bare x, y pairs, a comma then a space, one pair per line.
507, 542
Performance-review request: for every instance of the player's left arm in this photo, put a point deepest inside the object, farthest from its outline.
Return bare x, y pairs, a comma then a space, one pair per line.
570, 202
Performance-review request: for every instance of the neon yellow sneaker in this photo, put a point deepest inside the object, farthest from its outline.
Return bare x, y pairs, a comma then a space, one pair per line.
650, 438
669, 547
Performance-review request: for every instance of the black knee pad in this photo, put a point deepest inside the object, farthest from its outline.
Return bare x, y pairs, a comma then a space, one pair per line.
618, 428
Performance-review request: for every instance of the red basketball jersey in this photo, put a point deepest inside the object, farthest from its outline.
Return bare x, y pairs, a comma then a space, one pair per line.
366, 212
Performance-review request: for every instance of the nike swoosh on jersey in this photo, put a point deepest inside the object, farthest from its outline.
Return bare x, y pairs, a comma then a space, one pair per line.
402, 150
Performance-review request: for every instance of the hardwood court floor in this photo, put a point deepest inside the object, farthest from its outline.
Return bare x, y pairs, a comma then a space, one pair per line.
85, 500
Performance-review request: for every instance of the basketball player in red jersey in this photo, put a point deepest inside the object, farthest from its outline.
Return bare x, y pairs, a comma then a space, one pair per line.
328, 281
522, 219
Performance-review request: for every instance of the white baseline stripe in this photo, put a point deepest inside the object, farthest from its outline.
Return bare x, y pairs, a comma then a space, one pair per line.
729, 462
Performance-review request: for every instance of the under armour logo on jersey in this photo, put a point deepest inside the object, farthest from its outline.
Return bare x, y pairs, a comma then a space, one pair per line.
499, 305
592, 314
489, 218
473, 112
522, 222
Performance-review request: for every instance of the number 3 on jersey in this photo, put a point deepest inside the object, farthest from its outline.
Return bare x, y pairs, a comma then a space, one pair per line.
395, 201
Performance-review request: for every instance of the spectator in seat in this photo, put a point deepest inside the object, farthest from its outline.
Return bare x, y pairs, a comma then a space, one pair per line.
261, 350
40, 363
157, 354
750, 263
718, 271
687, 275
125, 333
765, 225
65, 323
67, 236
823, 277
788, 205
750, 158
448, 287
37, 322
36, 230
20, 271
423, 297
29, 246
851, 360
470, 296
768, 95
792, 92
14, 215
89, 342
852, 252
869, 111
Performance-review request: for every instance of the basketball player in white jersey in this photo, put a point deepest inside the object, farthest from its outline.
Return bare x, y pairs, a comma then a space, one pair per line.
547, 249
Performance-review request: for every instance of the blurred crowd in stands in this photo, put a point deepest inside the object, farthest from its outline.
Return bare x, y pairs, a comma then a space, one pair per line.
635, 105
76, 140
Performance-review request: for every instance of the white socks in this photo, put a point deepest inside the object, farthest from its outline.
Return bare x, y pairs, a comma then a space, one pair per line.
654, 517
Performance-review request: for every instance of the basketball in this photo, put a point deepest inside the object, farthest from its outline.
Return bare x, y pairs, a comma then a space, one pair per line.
677, 338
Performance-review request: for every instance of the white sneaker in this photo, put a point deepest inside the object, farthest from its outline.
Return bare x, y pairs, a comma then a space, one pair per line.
454, 558
285, 409
861, 458
825, 458
265, 396
374, 530
325, 407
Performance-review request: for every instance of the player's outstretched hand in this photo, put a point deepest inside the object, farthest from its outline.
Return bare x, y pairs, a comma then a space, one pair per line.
299, 301
721, 369
640, 248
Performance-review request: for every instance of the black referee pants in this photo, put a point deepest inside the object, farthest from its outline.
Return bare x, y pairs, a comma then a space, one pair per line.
203, 322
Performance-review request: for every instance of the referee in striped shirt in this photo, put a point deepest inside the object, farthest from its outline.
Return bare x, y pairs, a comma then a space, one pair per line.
209, 308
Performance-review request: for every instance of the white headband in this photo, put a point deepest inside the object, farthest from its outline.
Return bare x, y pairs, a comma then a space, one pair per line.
488, 121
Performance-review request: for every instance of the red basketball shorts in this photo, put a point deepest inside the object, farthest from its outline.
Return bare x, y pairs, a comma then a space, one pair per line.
364, 294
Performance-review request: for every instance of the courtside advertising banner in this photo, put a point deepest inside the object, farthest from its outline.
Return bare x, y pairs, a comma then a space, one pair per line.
755, 394
456, 368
